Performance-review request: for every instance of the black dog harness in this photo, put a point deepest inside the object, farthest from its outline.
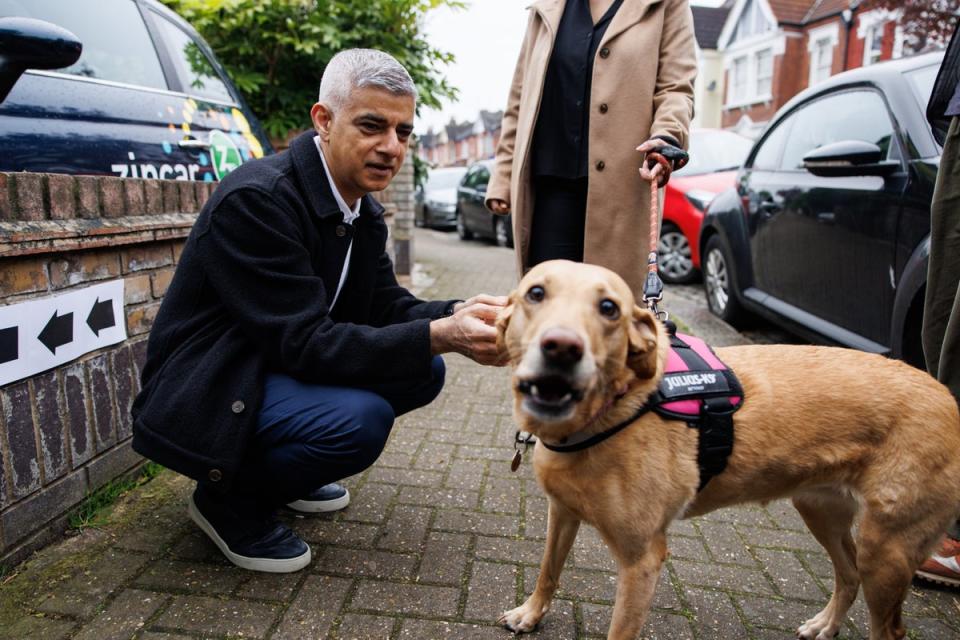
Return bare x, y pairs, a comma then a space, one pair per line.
697, 388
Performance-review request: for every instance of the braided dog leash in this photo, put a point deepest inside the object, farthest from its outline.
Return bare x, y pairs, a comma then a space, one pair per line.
669, 158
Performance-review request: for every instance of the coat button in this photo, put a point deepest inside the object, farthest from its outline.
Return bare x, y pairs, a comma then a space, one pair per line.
601, 165
605, 52
238, 406
341, 231
603, 108
215, 475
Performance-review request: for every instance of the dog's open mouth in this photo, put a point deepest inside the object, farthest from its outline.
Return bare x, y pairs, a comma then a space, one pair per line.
549, 396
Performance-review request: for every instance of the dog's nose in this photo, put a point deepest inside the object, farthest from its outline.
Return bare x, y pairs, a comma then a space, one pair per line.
561, 346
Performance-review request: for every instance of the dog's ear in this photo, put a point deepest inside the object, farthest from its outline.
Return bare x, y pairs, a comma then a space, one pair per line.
642, 353
503, 321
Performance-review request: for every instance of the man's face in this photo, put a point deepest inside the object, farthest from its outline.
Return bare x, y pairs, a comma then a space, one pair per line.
365, 141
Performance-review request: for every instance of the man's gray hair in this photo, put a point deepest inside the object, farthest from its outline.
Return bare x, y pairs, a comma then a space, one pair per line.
359, 68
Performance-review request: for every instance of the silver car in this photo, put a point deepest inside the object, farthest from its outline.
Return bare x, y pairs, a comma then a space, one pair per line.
436, 202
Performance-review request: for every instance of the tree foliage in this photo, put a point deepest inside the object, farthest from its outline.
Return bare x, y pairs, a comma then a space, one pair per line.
275, 50
925, 23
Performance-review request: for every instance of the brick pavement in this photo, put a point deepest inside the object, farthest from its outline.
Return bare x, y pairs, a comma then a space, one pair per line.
440, 538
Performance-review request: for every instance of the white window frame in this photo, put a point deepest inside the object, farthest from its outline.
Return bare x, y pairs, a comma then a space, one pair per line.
763, 73
872, 22
822, 40
872, 55
739, 79
750, 59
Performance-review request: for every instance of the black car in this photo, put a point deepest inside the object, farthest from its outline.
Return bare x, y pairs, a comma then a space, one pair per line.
827, 232
473, 218
146, 98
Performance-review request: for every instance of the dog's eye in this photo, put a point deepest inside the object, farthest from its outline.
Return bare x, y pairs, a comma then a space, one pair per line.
609, 309
535, 294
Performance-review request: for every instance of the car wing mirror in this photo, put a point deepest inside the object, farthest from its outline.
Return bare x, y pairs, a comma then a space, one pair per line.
848, 158
27, 43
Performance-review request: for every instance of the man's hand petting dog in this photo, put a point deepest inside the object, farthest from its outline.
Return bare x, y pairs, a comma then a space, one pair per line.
471, 330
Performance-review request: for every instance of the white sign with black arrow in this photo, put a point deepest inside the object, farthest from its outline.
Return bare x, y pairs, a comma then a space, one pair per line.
43, 333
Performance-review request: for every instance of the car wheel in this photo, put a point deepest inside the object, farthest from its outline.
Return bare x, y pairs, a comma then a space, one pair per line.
674, 256
718, 282
462, 231
501, 231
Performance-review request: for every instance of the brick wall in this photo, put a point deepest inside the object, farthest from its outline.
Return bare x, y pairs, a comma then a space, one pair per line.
66, 432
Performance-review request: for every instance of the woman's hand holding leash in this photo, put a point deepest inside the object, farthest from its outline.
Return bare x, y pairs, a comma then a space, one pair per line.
661, 159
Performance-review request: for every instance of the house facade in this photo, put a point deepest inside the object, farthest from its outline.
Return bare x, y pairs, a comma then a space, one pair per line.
461, 143
710, 84
773, 49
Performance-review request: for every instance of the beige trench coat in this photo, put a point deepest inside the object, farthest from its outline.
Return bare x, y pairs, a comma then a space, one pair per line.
642, 87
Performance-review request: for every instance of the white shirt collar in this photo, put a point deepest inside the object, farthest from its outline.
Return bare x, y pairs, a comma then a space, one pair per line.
349, 215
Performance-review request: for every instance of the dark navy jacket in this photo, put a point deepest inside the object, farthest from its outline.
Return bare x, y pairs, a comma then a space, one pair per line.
251, 295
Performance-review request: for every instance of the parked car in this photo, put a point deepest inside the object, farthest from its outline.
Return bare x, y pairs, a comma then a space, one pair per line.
827, 232
146, 98
435, 205
715, 156
473, 218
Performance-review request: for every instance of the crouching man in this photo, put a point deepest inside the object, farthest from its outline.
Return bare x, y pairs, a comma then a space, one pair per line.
284, 347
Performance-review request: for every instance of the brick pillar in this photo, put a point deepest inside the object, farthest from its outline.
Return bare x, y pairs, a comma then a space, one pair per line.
400, 195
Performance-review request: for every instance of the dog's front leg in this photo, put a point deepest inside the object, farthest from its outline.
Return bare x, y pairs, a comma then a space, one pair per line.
637, 576
562, 527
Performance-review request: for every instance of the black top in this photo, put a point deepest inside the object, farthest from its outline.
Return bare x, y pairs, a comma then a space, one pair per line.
560, 144
251, 294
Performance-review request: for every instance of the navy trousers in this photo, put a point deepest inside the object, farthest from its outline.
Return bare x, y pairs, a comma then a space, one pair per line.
311, 435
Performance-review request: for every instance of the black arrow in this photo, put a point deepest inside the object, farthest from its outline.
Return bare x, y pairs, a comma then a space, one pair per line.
101, 316
8, 344
58, 332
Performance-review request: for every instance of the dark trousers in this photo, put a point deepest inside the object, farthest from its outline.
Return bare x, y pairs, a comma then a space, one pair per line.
559, 218
311, 435
941, 306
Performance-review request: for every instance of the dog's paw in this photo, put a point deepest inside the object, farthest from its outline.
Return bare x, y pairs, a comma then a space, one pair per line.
523, 619
818, 628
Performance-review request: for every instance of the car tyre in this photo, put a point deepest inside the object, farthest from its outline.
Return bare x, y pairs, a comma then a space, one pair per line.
462, 231
675, 256
719, 283
502, 232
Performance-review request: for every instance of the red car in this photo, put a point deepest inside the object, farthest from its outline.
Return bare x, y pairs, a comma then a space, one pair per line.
715, 156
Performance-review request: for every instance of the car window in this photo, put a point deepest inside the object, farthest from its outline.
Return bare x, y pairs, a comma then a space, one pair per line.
483, 177
921, 80
444, 178
116, 44
851, 115
712, 151
768, 155
196, 72
473, 178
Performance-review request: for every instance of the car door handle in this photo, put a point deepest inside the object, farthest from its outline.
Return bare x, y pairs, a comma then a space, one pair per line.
193, 143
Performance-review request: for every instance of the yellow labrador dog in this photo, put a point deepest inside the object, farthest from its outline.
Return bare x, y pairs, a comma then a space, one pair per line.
845, 434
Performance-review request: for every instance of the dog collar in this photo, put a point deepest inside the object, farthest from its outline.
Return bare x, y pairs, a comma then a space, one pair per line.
580, 441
